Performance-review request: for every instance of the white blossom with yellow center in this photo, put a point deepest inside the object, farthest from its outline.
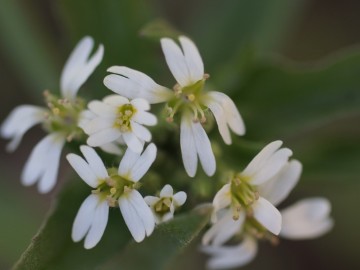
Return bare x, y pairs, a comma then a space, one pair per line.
112, 188
60, 119
118, 118
163, 207
187, 98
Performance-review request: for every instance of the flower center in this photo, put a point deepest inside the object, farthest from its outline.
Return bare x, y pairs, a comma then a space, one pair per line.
63, 116
243, 194
163, 206
124, 115
113, 187
188, 98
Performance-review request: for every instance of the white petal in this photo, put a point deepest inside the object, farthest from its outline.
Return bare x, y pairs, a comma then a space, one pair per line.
133, 142
224, 229
203, 147
176, 62
83, 170
166, 191
140, 131
19, 121
307, 219
84, 218
115, 100
262, 157
133, 87
79, 67
220, 118
143, 211
85, 117
140, 104
278, 188
193, 59
103, 137
98, 124
179, 198
145, 118
273, 166
224, 257
232, 115
221, 200
102, 109
95, 162
132, 219
188, 148
267, 215
127, 163
112, 148
48, 179
151, 200
166, 217
40, 163
98, 225
143, 163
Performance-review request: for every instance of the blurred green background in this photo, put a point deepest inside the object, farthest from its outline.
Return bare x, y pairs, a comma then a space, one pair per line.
292, 67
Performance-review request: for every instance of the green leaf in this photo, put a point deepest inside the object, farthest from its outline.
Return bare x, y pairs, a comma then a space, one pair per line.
27, 49
52, 248
164, 245
315, 111
282, 101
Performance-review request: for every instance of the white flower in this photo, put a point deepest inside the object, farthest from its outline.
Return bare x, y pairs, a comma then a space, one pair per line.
224, 257
188, 98
60, 119
248, 190
118, 118
306, 219
163, 207
113, 187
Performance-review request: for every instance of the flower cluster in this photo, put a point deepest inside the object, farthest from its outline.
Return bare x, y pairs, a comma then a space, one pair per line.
244, 209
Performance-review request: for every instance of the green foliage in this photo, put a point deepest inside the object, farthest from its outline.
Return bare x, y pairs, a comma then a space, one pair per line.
164, 245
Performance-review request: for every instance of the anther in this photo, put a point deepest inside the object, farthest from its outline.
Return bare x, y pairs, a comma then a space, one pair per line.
169, 119
167, 202
206, 76
257, 195
110, 182
274, 240
203, 120
128, 112
127, 189
190, 97
177, 88
56, 111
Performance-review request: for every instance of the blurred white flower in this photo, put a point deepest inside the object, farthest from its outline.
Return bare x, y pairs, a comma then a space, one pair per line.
233, 218
263, 177
306, 219
163, 207
118, 118
60, 119
112, 187
188, 98
225, 257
